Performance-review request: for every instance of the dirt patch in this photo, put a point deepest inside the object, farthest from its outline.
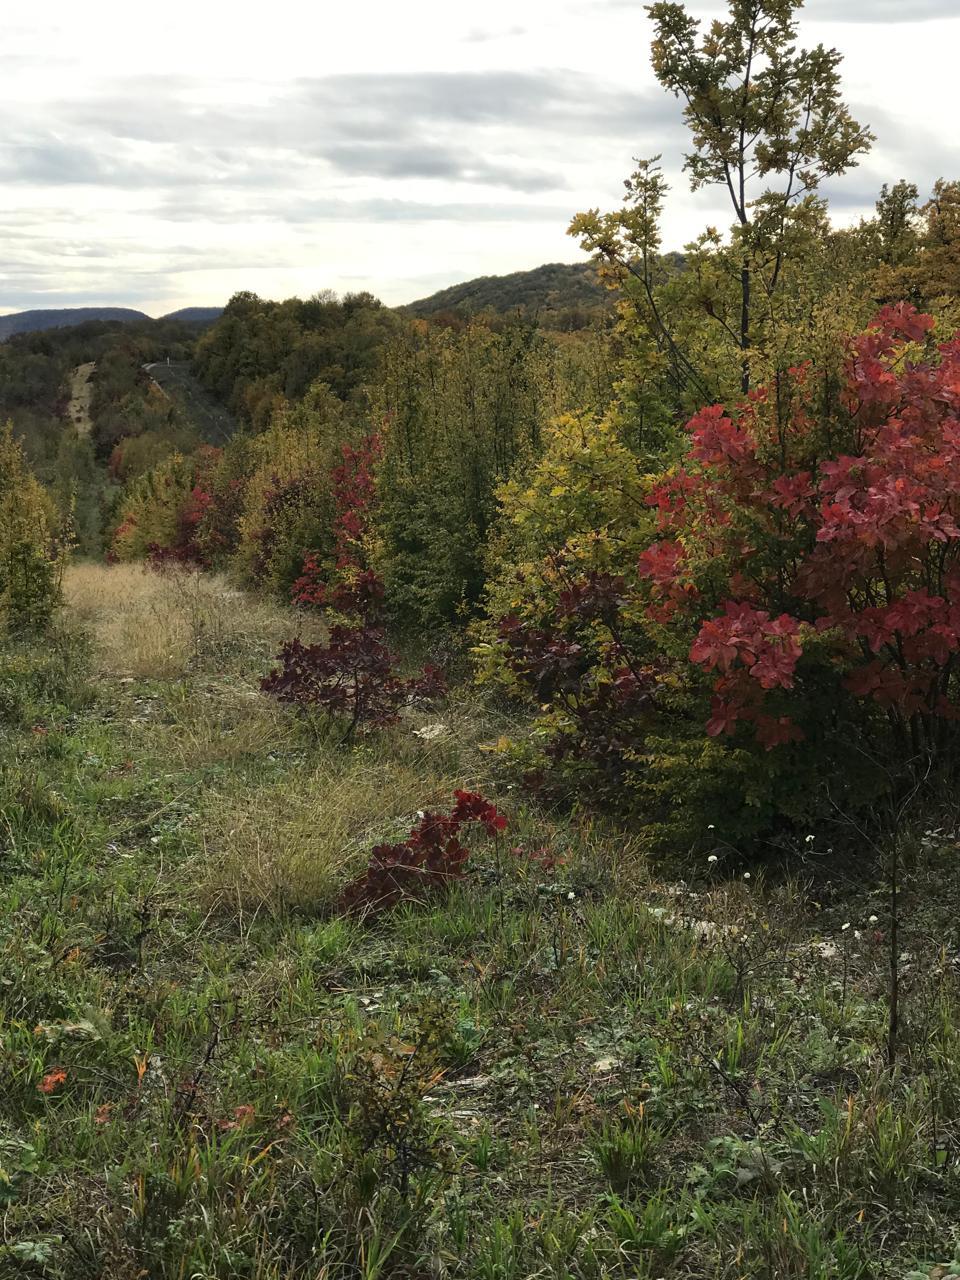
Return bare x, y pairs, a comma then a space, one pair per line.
81, 396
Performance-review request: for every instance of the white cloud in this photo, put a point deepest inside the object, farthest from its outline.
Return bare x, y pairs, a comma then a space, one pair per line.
174, 155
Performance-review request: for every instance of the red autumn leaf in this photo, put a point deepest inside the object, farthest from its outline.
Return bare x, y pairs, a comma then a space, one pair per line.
52, 1081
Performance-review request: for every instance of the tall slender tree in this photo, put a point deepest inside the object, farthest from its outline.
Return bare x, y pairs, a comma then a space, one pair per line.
768, 124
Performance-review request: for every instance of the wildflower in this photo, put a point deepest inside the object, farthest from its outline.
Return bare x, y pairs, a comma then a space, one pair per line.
746, 875
809, 840
845, 927
873, 920
711, 827
570, 896
430, 732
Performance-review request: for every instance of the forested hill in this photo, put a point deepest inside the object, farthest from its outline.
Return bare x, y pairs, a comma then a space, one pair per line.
557, 286
202, 316
34, 321
39, 320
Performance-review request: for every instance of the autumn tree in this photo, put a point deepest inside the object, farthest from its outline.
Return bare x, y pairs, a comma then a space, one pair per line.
768, 125
896, 222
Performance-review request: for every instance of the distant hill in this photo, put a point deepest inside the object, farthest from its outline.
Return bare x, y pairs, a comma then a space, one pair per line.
32, 321
195, 315
558, 286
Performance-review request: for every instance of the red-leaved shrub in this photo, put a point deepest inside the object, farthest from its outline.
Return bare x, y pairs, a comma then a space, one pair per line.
830, 541
788, 644
352, 678
426, 862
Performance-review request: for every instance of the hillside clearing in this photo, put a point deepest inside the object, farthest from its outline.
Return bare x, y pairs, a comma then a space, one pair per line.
81, 397
567, 1068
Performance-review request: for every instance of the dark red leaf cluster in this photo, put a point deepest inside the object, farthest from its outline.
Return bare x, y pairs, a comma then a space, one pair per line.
426, 862
352, 677
581, 662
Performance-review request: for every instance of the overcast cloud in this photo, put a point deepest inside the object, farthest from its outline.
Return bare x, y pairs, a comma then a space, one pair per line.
171, 157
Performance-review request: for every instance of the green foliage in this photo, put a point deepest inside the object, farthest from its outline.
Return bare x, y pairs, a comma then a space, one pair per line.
35, 678
758, 108
29, 560
625, 1148
287, 506
562, 296
161, 510
578, 508
460, 413
768, 125
261, 355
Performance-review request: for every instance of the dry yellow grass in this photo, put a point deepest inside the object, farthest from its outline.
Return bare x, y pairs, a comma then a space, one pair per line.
292, 844
161, 626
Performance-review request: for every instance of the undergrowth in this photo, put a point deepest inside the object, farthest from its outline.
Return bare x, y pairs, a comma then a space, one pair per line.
563, 1066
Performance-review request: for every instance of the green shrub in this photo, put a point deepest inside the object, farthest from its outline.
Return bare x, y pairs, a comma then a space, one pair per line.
29, 558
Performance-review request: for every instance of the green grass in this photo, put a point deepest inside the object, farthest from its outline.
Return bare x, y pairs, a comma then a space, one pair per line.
582, 1072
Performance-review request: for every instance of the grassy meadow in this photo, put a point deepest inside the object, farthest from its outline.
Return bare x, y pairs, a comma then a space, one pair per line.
574, 1066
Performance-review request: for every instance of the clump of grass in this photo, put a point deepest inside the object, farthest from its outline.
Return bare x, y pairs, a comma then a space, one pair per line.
626, 1147
291, 844
163, 625
38, 679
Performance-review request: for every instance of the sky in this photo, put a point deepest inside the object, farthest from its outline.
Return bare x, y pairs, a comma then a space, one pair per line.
170, 155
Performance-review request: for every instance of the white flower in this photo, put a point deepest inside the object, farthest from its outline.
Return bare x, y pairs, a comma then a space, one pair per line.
746, 875
809, 840
570, 896
873, 920
712, 858
845, 927
711, 827
430, 731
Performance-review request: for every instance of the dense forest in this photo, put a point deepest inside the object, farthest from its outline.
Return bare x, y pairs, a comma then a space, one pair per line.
558, 295
650, 562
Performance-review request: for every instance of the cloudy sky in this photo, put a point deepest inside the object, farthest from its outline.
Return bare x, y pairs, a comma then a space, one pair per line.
167, 155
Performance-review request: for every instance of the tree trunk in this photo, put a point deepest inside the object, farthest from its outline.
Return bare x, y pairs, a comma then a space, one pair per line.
745, 283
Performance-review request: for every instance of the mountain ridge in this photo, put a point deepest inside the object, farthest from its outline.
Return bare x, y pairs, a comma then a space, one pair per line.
39, 319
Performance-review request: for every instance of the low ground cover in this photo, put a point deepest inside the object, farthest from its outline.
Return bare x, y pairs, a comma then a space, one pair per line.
573, 1064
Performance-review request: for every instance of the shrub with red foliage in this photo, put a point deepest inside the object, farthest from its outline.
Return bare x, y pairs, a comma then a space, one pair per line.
185, 547
354, 493
426, 862
798, 594
351, 678
581, 661
360, 594
354, 676
835, 542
